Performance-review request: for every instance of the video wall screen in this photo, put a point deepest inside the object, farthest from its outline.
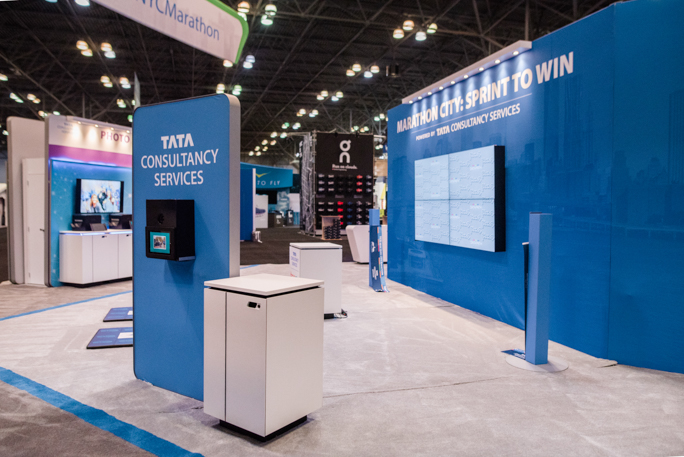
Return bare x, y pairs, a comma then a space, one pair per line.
460, 199
98, 196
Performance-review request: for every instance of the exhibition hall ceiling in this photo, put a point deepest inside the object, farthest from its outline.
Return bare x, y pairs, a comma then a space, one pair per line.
307, 49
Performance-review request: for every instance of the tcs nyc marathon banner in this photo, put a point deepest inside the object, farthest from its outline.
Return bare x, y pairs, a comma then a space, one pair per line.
207, 25
514, 86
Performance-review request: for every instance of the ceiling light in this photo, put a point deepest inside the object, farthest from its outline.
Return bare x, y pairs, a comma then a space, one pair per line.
125, 83
296, 126
312, 115
227, 63
334, 98
258, 153
515, 53
432, 28
420, 97
56, 113
356, 127
283, 135
87, 52
271, 9
36, 101
250, 58
285, 125
120, 103
429, 93
30, 97
82, 2
320, 97
339, 94
367, 74
376, 119
109, 84
324, 93
398, 34
243, 7
247, 64
453, 82
356, 67
375, 69
3, 77
497, 61
256, 148
273, 142
13, 96
251, 153
481, 68
465, 76
104, 79
104, 47
110, 54
350, 72
130, 118
274, 134
220, 88
243, 16
381, 115
301, 112
264, 142
408, 25
5, 132
81, 45
265, 148
366, 128
42, 113
441, 88
411, 102
237, 89
314, 112
266, 20
421, 36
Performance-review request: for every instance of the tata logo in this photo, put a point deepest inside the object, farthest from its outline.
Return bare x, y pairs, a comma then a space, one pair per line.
182, 140
344, 147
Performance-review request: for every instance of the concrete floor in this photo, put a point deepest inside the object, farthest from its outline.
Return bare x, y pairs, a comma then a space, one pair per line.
406, 374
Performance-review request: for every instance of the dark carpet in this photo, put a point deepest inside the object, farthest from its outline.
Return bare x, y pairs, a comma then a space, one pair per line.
275, 246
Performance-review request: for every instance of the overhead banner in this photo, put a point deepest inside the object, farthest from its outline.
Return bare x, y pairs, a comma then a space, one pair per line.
207, 25
270, 177
340, 154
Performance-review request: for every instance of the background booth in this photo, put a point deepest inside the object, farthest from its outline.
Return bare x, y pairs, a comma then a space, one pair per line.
591, 121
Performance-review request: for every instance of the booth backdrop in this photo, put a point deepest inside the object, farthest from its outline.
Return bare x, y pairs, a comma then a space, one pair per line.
600, 144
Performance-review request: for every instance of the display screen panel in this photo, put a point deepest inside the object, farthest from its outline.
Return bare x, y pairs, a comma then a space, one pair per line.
460, 199
99, 196
160, 242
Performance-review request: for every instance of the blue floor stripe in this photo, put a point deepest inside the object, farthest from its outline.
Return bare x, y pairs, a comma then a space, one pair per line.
100, 419
250, 266
62, 306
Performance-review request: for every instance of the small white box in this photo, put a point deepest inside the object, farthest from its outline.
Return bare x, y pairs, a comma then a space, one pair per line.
320, 261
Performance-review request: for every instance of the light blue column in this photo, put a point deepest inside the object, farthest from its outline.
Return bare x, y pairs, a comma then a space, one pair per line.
539, 286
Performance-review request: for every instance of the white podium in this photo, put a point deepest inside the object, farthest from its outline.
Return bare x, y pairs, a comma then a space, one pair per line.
263, 352
320, 261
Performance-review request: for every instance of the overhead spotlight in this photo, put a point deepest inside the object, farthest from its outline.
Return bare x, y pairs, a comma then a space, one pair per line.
515, 53
80, 44
87, 52
266, 20
264, 142
497, 61
274, 134
109, 85
356, 67
251, 153
273, 142
421, 36
220, 88
120, 103
356, 128
130, 118
465, 76
420, 97
110, 54
441, 87
429, 93
285, 125
324, 93
270, 9
247, 64
432, 28
339, 94
125, 83
376, 119
481, 68
3, 77
302, 111
13, 96
56, 113
375, 69
82, 2
334, 98
411, 102
5, 132
350, 72
283, 135
257, 148
297, 125
30, 97
258, 153
36, 101
104, 47
104, 79
237, 90
51, 1
398, 34
453, 82
250, 58
320, 97
314, 112
300, 114
227, 63
408, 25
243, 7
365, 128
367, 74
243, 16
42, 113
381, 115
265, 148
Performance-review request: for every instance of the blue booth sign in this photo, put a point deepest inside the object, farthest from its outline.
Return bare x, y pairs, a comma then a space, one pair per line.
184, 150
270, 177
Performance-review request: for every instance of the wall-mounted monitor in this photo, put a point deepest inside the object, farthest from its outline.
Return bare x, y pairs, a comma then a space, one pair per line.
99, 196
460, 199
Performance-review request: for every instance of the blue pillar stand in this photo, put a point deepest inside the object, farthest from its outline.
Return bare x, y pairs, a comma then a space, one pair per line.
376, 272
537, 277
538, 289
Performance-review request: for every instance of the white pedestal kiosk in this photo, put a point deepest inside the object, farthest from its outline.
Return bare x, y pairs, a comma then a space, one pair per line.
263, 352
320, 261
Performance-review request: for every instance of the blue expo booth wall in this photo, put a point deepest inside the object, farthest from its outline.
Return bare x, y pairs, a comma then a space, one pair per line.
596, 145
63, 176
184, 150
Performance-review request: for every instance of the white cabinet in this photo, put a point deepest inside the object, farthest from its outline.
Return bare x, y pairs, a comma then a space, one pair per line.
263, 351
87, 257
320, 261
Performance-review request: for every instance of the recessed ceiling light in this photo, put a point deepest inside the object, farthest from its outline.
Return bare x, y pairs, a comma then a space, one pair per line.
515, 53
497, 61
481, 68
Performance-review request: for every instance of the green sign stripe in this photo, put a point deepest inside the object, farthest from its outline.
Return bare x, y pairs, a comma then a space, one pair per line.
245, 26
